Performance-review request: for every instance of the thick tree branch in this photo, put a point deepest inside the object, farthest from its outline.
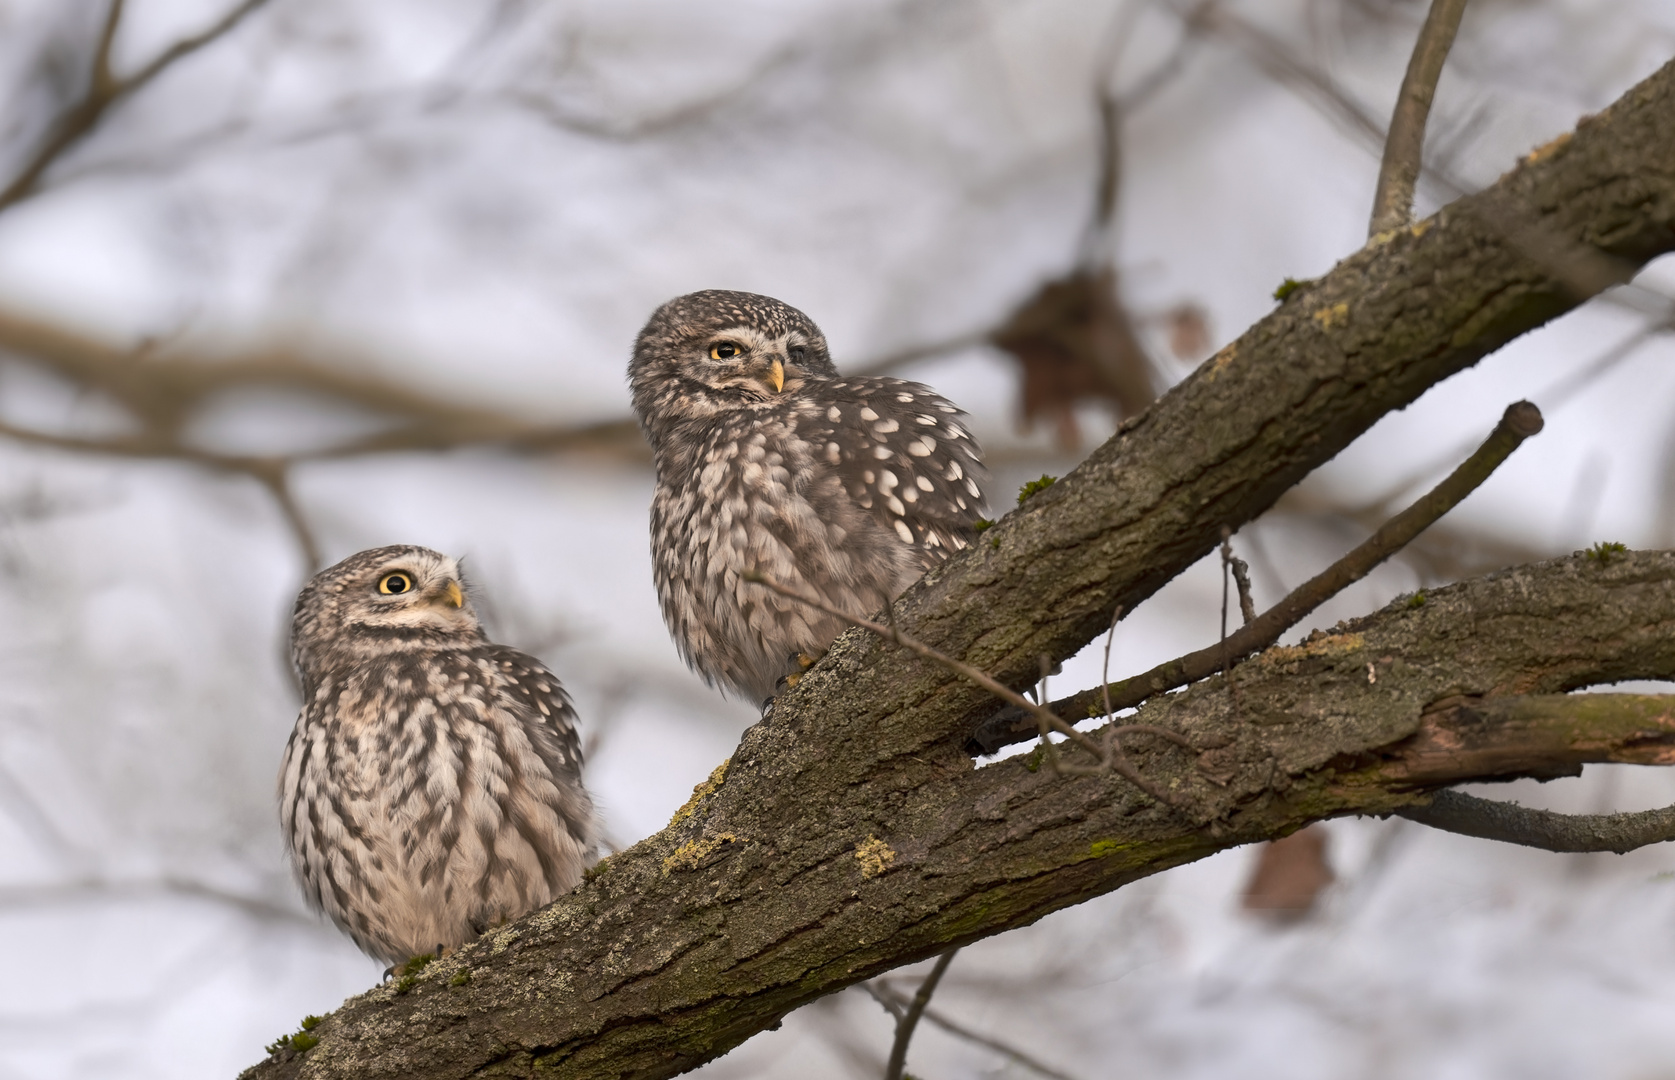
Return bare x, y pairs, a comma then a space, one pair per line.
685, 944
850, 835
1398, 173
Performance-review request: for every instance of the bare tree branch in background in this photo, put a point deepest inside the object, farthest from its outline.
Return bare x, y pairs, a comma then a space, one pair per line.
82, 889
106, 89
894, 1003
164, 388
909, 1018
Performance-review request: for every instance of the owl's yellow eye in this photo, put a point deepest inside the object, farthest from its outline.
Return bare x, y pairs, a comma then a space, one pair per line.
397, 582
724, 350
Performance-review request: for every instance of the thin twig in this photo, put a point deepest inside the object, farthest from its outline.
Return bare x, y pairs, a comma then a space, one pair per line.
1487, 819
894, 1004
887, 1001
1105, 664
1226, 560
1520, 421
1398, 173
1241, 578
910, 1018
104, 89
1232, 567
58, 895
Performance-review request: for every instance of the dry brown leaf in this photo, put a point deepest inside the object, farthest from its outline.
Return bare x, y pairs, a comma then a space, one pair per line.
1075, 342
1290, 875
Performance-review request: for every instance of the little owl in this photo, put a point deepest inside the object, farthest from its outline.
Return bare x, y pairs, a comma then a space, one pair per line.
768, 461
432, 788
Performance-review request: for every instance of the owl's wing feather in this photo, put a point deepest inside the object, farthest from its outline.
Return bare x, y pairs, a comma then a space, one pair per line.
903, 452
526, 682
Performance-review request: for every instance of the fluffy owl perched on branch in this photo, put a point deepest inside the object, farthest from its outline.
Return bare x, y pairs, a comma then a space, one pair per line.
432, 787
768, 461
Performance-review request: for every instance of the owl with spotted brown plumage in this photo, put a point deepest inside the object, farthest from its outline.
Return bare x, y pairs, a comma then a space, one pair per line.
769, 461
432, 786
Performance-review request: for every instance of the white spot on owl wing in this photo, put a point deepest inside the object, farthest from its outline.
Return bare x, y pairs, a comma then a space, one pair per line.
885, 427
887, 481
971, 486
896, 506
905, 399
883, 453
909, 494
868, 475
954, 471
924, 484
929, 421
921, 448
867, 414
902, 530
834, 414
834, 453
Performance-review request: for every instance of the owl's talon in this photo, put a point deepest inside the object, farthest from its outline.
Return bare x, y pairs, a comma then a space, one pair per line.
802, 661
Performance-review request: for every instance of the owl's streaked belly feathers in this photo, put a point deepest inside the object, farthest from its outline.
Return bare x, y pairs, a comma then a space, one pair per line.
429, 795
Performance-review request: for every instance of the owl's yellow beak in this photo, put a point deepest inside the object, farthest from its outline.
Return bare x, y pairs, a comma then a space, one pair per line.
454, 596
776, 375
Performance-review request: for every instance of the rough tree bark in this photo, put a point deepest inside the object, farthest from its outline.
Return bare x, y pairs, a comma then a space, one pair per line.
849, 834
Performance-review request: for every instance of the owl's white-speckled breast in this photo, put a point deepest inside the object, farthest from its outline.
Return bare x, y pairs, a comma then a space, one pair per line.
849, 490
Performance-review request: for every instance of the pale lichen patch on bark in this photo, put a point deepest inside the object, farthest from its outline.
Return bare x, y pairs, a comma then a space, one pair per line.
874, 855
700, 792
691, 855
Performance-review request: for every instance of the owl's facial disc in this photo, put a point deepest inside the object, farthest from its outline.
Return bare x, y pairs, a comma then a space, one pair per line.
751, 364
419, 593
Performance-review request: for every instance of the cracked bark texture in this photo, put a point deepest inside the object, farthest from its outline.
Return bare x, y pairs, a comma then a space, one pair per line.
850, 835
